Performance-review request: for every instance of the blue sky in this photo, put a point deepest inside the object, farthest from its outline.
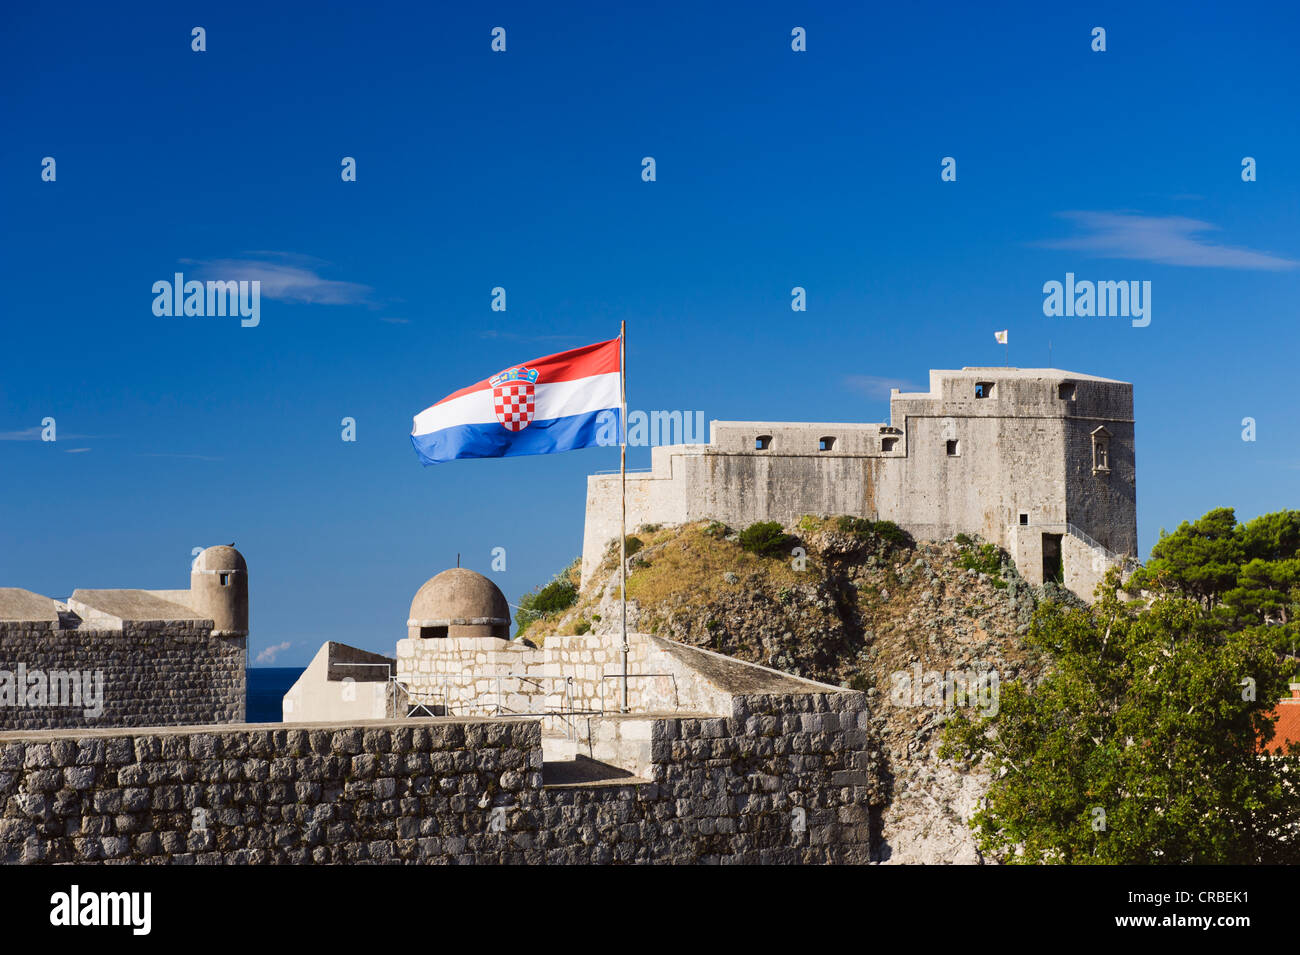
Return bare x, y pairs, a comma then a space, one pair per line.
522, 170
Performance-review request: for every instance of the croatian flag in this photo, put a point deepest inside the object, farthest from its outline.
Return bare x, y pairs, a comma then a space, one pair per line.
557, 403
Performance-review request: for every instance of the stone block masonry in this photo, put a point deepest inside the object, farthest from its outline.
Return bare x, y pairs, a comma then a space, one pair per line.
781, 779
165, 673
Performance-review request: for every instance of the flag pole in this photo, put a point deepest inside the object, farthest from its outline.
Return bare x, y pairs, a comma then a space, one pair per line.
622, 472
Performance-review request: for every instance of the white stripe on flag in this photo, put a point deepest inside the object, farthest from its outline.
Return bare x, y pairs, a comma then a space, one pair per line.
557, 399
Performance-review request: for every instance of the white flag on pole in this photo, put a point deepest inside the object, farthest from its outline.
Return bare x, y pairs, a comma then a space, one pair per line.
1001, 336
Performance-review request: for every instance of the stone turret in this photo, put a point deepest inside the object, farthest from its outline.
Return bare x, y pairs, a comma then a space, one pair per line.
219, 590
459, 603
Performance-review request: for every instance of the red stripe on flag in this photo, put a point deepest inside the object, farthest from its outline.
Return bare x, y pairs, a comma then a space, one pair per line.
598, 359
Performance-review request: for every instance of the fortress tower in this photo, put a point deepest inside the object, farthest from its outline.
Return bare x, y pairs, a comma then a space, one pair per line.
219, 590
164, 657
1037, 460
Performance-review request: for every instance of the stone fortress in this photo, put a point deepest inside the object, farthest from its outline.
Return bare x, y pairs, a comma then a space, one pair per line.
465, 746
1039, 461
167, 657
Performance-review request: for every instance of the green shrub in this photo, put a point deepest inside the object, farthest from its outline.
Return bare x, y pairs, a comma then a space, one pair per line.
985, 559
633, 544
559, 594
892, 534
864, 529
964, 540
857, 526
581, 627
716, 529
766, 539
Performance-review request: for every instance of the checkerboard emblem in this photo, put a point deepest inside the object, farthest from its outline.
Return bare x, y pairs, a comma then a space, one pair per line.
513, 397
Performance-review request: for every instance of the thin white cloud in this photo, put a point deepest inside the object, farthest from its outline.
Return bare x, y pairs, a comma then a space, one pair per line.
75, 450
270, 653
285, 277
34, 434
189, 457
396, 321
1167, 240
875, 387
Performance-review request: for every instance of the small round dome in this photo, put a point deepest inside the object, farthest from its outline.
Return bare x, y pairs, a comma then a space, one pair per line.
222, 557
459, 603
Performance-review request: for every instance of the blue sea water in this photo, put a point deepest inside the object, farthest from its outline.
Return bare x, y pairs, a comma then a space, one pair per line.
266, 689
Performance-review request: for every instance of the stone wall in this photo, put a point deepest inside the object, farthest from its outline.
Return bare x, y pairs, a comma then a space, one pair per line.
782, 779
168, 674
580, 675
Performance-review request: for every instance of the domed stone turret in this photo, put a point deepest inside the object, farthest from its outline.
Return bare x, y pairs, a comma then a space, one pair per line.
219, 589
459, 603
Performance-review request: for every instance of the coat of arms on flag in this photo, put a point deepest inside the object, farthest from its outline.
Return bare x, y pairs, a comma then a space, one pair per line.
513, 398
1001, 336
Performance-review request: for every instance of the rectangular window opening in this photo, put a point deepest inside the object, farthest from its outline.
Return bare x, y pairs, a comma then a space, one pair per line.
762, 442
954, 448
826, 444
888, 444
984, 389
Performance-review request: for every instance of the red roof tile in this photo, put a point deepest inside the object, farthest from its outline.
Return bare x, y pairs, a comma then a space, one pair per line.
1287, 729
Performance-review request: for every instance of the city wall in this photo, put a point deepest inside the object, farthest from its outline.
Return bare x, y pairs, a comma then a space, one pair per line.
165, 673
784, 778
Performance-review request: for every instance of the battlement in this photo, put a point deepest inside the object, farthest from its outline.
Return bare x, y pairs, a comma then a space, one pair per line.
1016, 392
1023, 457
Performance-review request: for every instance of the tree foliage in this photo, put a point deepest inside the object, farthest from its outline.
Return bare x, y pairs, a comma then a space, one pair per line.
1244, 572
1141, 745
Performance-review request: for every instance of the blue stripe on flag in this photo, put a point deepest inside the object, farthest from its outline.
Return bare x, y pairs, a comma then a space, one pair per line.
540, 437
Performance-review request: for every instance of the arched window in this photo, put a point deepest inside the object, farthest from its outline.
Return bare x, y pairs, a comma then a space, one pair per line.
1100, 451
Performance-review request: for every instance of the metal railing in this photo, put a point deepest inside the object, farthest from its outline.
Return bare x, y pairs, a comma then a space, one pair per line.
564, 713
635, 676
433, 696
1073, 531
